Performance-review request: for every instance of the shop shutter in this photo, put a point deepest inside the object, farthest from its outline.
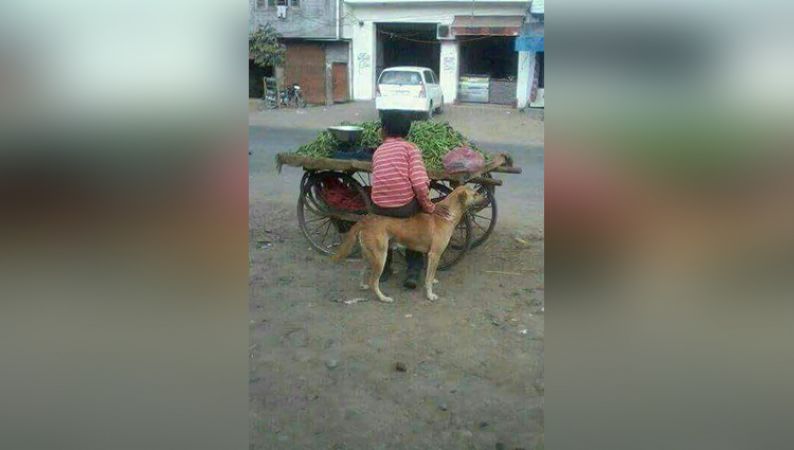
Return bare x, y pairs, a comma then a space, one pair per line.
305, 65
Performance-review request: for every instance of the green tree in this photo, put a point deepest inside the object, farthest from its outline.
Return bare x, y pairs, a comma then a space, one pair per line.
265, 48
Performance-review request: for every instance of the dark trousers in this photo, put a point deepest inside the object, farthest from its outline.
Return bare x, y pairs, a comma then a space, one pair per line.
414, 259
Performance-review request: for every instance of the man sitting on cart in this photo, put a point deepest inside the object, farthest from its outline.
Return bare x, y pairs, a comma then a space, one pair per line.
400, 185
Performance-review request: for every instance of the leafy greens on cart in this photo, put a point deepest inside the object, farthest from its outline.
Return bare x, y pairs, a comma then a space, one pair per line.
434, 139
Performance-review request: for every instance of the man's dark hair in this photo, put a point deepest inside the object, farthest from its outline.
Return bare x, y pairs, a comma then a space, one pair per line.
395, 124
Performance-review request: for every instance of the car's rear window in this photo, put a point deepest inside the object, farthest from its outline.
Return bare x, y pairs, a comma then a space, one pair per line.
398, 77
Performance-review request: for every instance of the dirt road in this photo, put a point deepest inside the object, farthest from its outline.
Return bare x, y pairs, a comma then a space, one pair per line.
323, 373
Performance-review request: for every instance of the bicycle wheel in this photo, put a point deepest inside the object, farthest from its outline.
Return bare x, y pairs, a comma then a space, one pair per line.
461, 239
483, 219
317, 219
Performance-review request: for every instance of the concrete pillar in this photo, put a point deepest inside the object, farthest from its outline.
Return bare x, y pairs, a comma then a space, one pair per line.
351, 79
526, 71
329, 83
450, 62
363, 61
279, 74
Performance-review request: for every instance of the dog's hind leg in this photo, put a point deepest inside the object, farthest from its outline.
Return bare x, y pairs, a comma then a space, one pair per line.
430, 276
377, 260
364, 277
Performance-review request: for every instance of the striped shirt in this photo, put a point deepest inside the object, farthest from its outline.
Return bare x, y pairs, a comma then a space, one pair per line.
399, 176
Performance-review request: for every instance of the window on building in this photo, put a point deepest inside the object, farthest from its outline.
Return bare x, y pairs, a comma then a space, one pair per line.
271, 2
295, 3
260, 4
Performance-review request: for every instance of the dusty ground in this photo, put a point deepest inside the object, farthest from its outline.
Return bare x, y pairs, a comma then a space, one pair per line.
323, 373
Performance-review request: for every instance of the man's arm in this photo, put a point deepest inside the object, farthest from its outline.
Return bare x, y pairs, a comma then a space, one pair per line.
419, 179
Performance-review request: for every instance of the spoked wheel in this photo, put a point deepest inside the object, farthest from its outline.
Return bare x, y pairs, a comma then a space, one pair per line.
461, 239
483, 219
320, 222
300, 102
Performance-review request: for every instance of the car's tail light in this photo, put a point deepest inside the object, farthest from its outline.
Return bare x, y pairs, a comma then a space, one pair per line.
422, 93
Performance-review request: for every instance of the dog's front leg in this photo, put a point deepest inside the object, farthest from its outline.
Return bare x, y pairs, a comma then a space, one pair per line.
430, 275
435, 280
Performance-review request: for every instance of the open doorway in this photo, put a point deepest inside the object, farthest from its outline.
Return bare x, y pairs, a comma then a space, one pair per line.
256, 75
489, 63
494, 56
407, 44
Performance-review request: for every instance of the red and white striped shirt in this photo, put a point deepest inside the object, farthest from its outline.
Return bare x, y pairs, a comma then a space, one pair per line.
399, 175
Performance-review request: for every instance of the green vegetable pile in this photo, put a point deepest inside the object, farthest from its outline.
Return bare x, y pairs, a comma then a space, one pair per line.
370, 137
321, 147
434, 139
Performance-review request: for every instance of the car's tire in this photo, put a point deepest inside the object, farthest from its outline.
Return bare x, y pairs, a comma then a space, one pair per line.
429, 114
440, 108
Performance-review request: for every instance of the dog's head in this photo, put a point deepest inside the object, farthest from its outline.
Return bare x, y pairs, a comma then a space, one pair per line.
469, 198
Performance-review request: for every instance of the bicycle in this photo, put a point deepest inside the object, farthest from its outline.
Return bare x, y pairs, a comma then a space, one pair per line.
293, 95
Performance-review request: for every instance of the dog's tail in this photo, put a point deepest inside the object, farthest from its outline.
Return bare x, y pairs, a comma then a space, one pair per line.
348, 243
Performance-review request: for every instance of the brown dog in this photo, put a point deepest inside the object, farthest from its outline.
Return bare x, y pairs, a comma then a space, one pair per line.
426, 233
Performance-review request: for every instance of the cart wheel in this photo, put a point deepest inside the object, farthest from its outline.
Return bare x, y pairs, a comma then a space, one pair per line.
461, 239
316, 218
483, 220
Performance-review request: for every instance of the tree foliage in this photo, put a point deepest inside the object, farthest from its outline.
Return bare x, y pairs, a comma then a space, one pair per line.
265, 48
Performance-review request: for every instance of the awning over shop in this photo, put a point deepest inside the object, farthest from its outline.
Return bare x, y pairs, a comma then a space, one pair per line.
529, 44
487, 25
531, 39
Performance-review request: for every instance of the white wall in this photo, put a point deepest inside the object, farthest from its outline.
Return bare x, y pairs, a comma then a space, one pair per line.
526, 70
363, 61
450, 63
364, 36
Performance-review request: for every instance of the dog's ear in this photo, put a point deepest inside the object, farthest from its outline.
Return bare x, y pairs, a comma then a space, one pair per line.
463, 197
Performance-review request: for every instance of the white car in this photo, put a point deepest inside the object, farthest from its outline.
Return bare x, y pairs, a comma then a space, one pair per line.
412, 89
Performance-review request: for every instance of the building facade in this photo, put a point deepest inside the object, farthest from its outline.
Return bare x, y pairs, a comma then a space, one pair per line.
317, 56
531, 48
470, 45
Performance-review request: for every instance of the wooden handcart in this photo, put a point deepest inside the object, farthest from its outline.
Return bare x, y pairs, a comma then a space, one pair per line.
324, 218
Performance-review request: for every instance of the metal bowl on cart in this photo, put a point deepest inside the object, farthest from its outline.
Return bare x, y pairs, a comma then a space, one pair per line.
347, 135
